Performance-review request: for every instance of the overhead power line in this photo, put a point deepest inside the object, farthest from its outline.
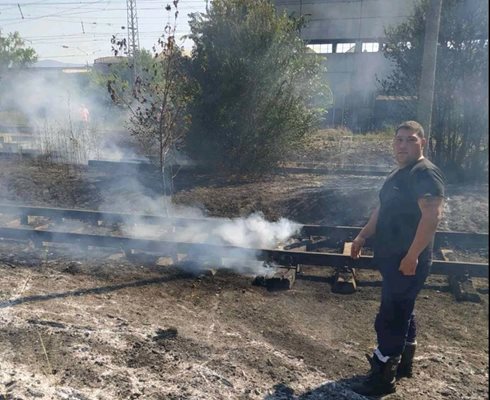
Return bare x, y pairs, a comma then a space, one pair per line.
58, 3
20, 9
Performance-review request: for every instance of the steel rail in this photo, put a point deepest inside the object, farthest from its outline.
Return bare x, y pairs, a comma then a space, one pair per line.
315, 165
469, 240
282, 257
332, 171
302, 169
293, 164
105, 216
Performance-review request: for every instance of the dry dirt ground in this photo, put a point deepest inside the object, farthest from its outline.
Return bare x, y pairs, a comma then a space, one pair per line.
97, 326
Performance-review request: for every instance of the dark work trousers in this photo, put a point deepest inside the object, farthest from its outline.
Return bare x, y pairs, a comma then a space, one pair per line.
395, 323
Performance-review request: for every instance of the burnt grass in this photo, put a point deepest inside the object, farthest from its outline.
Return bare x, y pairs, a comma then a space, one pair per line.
75, 325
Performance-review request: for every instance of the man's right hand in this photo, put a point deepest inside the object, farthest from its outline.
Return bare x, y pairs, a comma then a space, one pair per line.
357, 244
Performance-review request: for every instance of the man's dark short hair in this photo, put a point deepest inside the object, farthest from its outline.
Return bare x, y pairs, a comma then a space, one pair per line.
413, 126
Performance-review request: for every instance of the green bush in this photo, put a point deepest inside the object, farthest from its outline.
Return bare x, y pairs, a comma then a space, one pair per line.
260, 89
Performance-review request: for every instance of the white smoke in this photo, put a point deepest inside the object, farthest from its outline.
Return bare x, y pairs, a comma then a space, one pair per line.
112, 152
52, 107
68, 117
255, 231
242, 235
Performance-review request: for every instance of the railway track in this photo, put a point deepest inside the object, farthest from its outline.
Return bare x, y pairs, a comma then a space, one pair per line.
138, 167
301, 252
290, 168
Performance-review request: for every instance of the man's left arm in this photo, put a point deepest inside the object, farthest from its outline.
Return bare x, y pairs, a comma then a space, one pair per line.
431, 209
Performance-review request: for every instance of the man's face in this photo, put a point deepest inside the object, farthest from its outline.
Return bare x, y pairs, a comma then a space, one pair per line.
407, 147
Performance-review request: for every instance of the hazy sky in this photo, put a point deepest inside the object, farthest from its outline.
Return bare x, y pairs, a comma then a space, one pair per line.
74, 31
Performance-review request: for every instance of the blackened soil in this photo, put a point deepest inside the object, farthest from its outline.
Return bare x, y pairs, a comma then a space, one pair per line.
75, 325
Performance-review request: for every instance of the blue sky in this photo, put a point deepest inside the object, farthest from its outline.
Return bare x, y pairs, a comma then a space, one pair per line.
74, 31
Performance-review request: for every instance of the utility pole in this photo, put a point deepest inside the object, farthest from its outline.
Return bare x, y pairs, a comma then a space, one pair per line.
427, 79
133, 38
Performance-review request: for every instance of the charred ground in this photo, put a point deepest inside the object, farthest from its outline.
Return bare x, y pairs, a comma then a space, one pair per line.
75, 326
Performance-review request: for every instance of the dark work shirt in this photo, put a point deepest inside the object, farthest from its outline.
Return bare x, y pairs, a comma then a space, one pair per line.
399, 212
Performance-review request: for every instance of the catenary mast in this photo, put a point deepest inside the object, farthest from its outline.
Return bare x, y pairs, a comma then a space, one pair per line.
133, 38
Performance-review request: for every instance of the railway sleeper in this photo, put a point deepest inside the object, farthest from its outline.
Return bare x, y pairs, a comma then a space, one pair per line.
460, 284
334, 235
345, 280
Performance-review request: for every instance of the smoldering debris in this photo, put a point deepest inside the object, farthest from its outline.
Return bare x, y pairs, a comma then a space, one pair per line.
244, 234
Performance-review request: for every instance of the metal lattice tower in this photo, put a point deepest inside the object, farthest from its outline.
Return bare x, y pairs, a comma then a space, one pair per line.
133, 35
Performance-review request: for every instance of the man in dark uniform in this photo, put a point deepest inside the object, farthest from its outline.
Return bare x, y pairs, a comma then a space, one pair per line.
403, 226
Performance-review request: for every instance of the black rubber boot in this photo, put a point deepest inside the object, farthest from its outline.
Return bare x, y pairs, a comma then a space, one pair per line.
405, 368
381, 379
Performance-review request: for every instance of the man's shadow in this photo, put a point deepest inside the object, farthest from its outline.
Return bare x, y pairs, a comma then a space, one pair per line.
330, 390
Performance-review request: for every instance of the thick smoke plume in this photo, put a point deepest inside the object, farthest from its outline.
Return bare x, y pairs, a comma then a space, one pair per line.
70, 120
252, 232
54, 109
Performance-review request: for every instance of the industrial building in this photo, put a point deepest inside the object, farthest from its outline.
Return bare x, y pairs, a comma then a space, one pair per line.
350, 34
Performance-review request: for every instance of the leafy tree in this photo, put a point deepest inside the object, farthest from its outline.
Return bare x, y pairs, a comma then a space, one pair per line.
157, 100
118, 75
260, 89
14, 53
159, 118
460, 115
